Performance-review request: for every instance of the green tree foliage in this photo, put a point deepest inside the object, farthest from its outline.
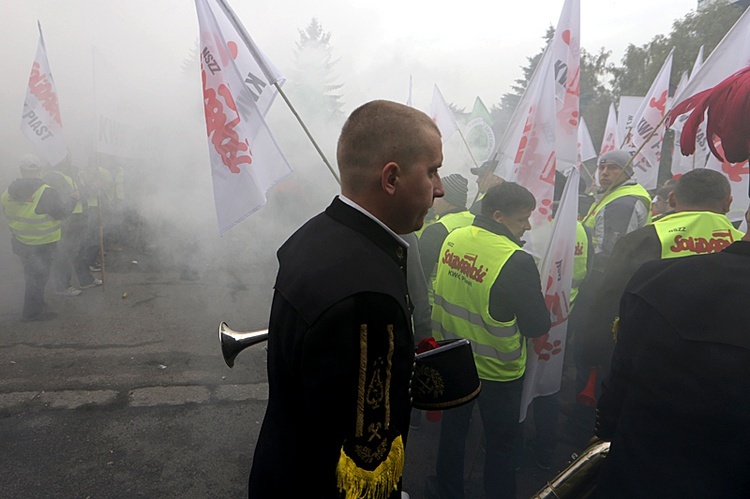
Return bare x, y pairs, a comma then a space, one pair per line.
313, 83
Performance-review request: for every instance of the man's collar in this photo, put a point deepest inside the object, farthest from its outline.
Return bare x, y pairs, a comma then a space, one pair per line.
357, 207
496, 228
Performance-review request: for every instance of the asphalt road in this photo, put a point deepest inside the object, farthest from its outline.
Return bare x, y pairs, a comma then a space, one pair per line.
126, 394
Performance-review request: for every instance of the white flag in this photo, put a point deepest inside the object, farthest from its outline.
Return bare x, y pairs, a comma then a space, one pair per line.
237, 92
586, 149
408, 99
40, 120
544, 361
650, 116
738, 175
611, 139
626, 109
696, 66
441, 114
566, 55
729, 56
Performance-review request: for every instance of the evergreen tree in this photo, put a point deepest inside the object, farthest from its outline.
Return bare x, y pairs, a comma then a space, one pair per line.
312, 81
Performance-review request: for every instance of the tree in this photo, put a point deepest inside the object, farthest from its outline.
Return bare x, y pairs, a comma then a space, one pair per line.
313, 82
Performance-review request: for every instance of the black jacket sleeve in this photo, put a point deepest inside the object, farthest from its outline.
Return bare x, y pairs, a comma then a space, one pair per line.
430, 242
51, 204
518, 291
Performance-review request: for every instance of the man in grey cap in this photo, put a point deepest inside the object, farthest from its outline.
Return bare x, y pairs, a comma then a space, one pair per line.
452, 214
621, 206
34, 210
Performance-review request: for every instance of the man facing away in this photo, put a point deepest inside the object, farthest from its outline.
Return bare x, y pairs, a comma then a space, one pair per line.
340, 346
675, 405
34, 211
488, 291
698, 225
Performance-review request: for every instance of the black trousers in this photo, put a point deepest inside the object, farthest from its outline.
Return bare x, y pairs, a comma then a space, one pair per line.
37, 261
499, 407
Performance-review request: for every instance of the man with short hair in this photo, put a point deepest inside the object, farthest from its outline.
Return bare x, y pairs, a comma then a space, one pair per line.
675, 405
488, 291
340, 345
34, 211
699, 225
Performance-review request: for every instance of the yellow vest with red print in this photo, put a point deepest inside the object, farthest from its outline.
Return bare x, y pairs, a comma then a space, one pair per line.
695, 233
470, 261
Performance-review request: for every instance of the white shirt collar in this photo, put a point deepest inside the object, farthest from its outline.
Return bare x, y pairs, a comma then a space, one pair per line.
357, 207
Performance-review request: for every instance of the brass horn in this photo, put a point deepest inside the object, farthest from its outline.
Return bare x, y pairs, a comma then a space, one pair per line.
233, 342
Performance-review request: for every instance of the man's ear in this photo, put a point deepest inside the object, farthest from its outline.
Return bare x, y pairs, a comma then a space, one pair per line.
727, 204
389, 176
670, 198
498, 216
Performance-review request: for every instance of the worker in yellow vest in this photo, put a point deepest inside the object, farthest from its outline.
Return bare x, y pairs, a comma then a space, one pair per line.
488, 291
33, 210
485, 180
72, 246
451, 214
700, 200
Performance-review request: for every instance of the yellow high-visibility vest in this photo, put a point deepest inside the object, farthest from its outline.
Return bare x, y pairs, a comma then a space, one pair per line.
471, 258
25, 224
695, 233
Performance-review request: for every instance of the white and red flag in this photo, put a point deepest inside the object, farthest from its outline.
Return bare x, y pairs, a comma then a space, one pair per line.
611, 139
650, 117
566, 61
237, 92
40, 119
544, 361
442, 115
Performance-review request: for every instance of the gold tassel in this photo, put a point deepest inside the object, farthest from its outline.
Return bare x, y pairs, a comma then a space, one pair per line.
358, 483
615, 328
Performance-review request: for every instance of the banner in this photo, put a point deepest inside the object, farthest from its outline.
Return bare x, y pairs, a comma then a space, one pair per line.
116, 133
442, 115
40, 119
237, 92
626, 110
650, 116
478, 132
738, 175
566, 61
611, 139
544, 361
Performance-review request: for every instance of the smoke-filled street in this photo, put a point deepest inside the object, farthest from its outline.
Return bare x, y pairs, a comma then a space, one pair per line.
126, 394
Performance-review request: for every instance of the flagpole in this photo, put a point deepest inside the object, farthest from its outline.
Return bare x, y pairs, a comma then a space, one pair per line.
248, 41
307, 132
98, 173
467, 146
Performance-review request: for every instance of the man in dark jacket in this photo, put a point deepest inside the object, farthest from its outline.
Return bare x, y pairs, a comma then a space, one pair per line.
341, 347
676, 405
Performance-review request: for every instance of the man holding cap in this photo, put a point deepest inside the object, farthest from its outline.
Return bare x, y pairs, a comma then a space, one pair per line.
34, 210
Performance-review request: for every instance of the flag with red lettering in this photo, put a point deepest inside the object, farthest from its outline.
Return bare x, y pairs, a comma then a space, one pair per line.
611, 139
237, 92
544, 358
566, 55
650, 117
738, 175
442, 115
40, 119
683, 164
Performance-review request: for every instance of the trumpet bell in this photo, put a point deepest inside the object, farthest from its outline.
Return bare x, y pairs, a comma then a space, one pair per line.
233, 342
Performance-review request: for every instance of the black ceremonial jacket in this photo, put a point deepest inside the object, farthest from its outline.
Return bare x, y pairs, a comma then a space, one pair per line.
339, 272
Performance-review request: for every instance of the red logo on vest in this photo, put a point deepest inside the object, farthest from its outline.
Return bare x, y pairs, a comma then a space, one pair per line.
699, 245
466, 265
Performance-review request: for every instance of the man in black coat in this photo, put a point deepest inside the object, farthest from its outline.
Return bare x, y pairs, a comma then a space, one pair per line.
676, 405
340, 347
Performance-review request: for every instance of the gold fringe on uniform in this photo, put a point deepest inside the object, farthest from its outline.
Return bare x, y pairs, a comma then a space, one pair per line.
359, 483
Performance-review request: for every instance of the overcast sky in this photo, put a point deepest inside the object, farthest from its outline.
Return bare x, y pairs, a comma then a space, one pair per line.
472, 48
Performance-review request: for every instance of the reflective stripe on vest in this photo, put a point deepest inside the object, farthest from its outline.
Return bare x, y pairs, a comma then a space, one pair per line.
26, 225
471, 259
695, 233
